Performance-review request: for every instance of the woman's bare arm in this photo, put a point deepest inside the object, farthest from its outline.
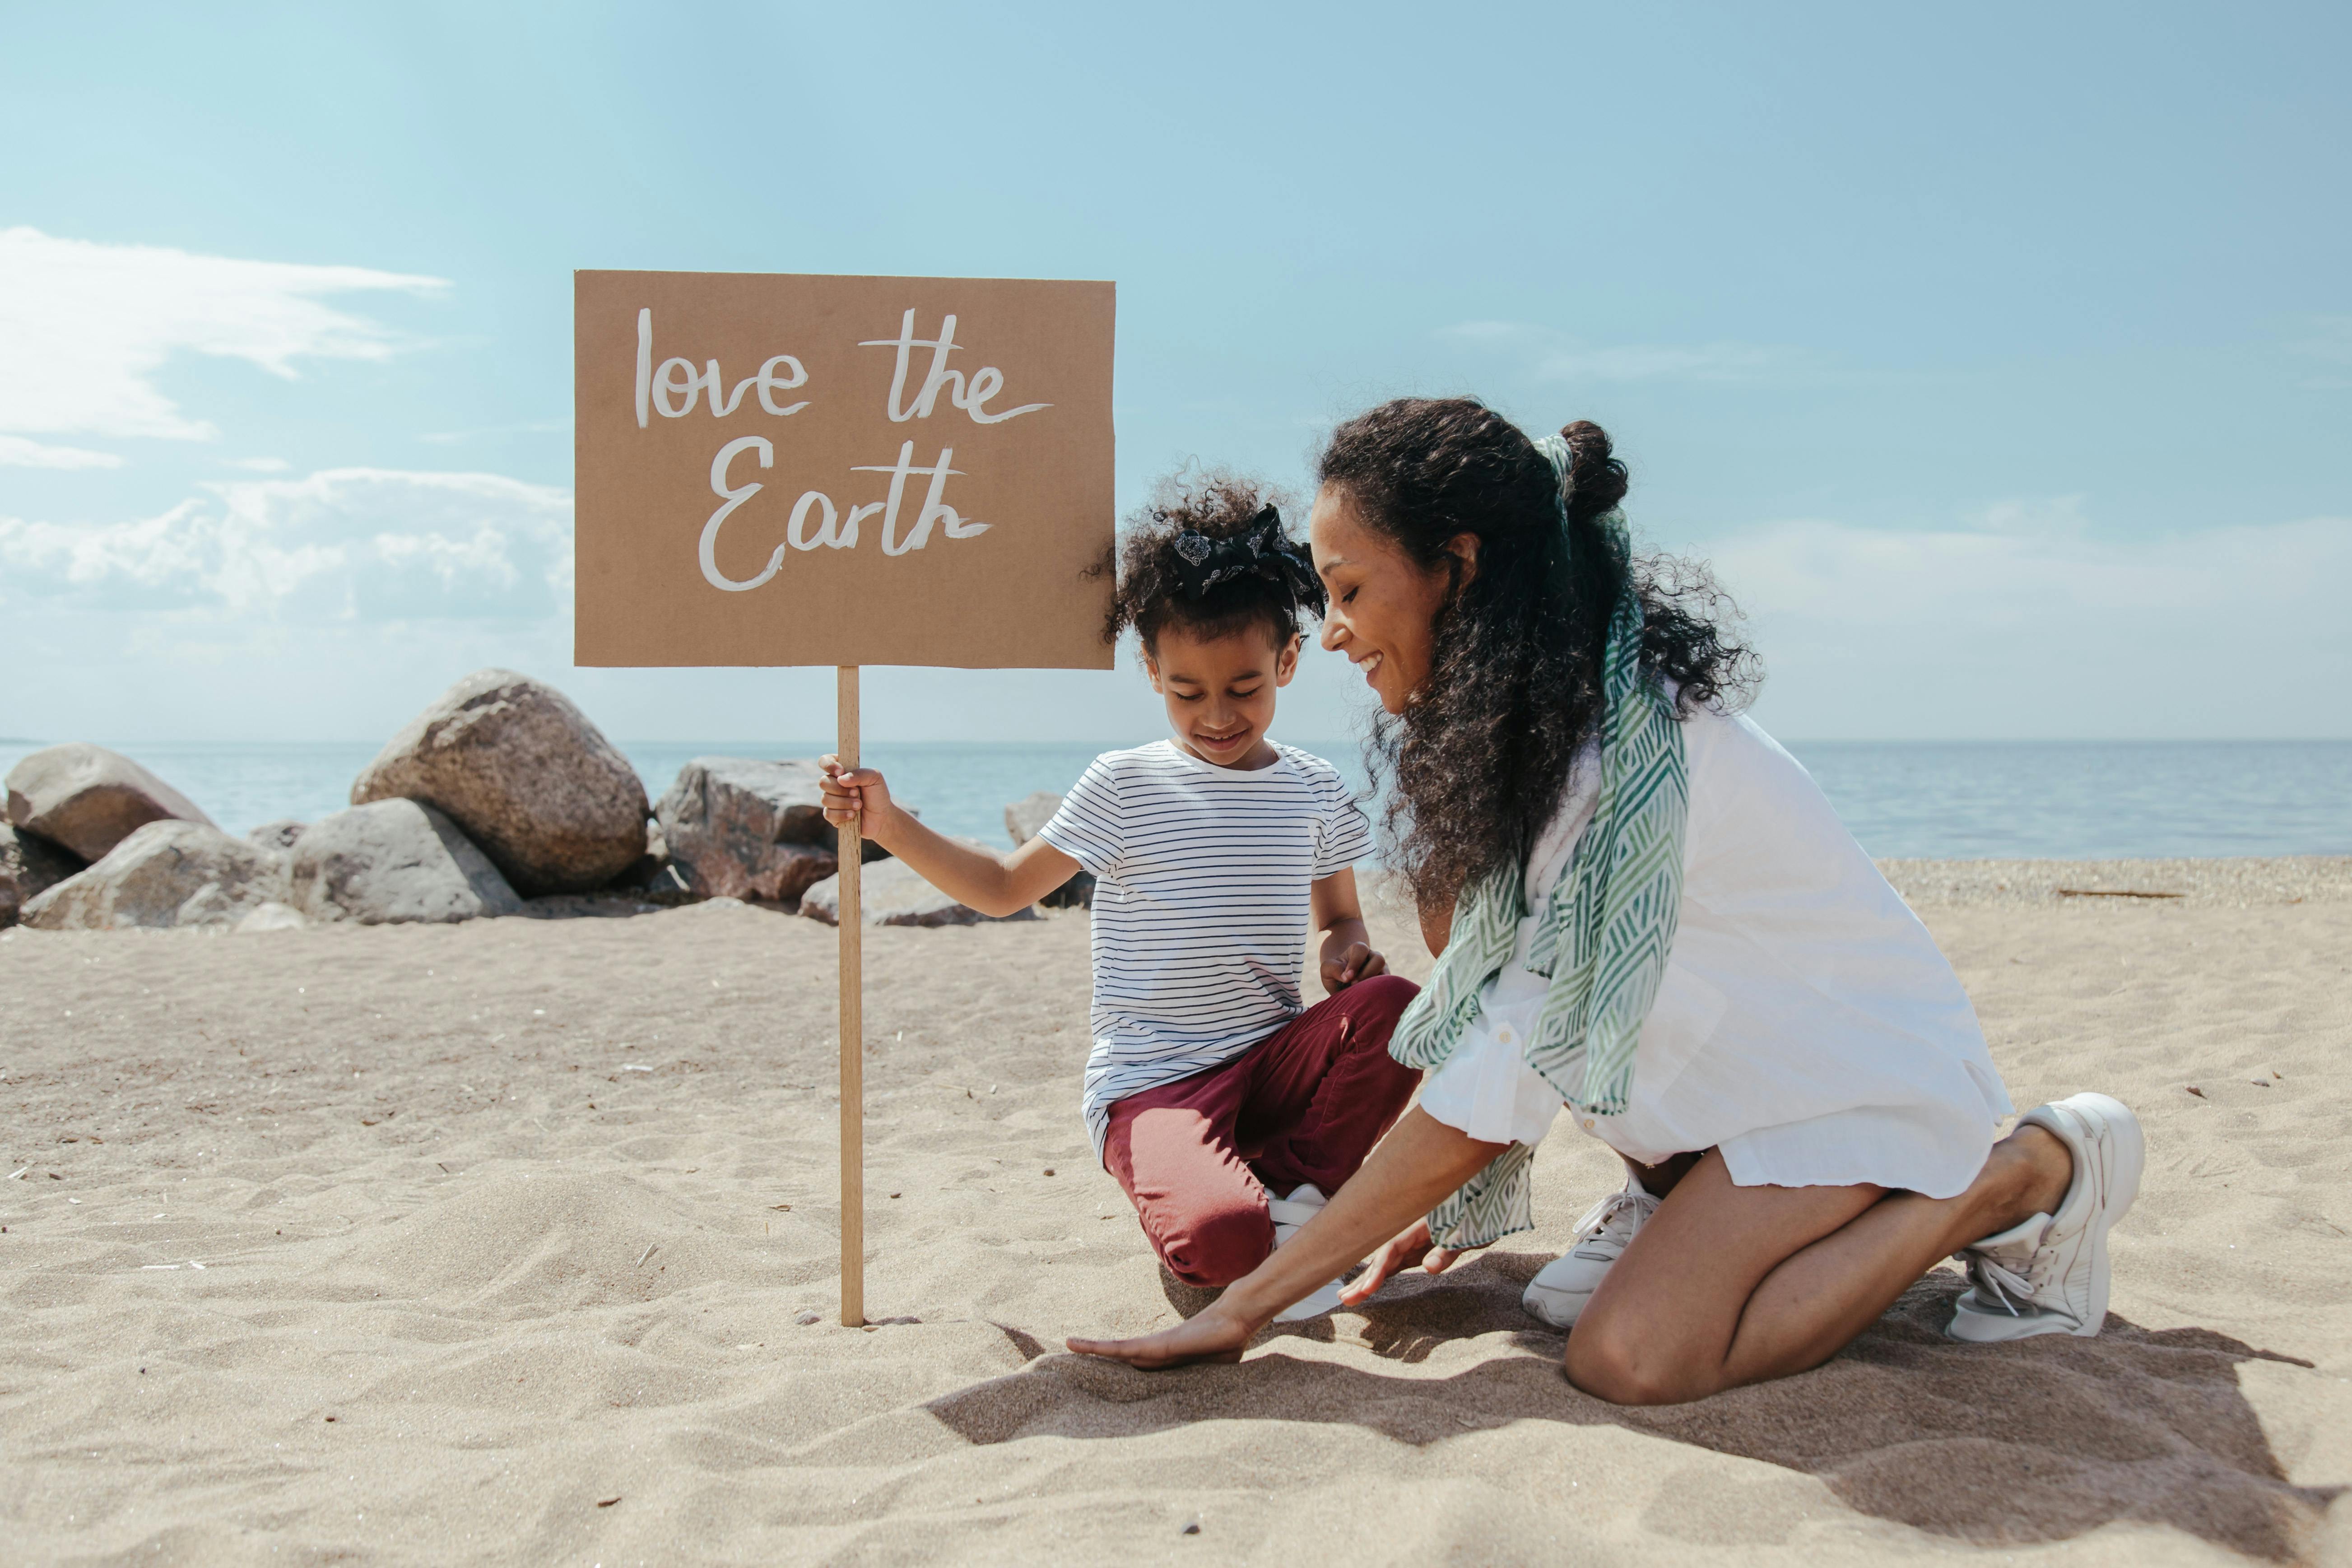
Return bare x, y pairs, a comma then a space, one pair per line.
1416, 1165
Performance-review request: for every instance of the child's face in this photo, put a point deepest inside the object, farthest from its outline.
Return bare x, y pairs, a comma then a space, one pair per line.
1220, 691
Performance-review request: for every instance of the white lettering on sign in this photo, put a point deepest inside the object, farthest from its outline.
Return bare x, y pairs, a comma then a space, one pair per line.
661, 390
770, 384
826, 534
664, 388
986, 382
673, 386
645, 361
733, 499
934, 510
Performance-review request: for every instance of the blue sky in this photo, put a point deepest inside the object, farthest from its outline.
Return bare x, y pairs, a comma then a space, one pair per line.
2002, 361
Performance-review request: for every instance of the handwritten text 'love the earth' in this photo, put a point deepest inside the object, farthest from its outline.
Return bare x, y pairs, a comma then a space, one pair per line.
672, 387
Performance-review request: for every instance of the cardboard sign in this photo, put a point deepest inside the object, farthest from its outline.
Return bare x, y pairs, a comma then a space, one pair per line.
777, 470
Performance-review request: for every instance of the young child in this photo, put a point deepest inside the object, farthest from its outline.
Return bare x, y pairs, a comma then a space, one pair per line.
1210, 1083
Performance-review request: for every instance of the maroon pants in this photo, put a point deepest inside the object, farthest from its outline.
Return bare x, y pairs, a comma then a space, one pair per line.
1305, 1104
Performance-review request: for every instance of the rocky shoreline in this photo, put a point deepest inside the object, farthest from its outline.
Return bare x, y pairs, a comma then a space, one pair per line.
501, 798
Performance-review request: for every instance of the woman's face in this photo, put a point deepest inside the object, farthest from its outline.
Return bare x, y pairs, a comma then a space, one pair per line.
1382, 602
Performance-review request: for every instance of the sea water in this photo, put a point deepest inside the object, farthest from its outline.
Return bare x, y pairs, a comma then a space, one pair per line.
1953, 800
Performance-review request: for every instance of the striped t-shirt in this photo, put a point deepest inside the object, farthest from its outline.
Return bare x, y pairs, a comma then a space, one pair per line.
1201, 904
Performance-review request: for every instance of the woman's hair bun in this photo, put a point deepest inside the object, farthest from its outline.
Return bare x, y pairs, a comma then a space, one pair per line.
1596, 481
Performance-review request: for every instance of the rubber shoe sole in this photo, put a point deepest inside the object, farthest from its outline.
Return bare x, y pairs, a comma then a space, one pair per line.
2109, 1153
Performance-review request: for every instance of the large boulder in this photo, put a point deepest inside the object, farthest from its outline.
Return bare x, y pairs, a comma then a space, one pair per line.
390, 862
1024, 816
737, 828
165, 874
651, 878
278, 835
29, 866
890, 893
1022, 820
89, 799
528, 778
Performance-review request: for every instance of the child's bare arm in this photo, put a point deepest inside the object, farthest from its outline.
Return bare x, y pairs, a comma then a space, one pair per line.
993, 885
1348, 953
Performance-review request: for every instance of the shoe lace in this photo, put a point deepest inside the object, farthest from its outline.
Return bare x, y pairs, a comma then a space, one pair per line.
1614, 1218
1999, 1282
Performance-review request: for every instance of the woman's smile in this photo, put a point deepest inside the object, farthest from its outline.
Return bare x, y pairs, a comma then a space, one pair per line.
1381, 601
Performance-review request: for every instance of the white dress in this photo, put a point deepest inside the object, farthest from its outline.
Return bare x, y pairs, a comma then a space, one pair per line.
1807, 1025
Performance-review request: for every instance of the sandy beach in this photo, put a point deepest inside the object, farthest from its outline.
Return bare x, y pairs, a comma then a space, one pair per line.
515, 1241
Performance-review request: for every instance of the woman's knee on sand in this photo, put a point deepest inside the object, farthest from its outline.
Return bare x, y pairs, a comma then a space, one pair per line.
1621, 1358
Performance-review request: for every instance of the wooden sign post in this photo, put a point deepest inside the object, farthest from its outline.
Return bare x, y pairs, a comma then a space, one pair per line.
850, 850
779, 469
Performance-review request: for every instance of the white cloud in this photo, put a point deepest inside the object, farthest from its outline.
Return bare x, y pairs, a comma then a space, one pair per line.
345, 544
84, 327
2042, 516
2011, 630
15, 452
1557, 356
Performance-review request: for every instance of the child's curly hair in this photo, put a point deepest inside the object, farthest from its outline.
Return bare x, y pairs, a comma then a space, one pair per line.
1220, 589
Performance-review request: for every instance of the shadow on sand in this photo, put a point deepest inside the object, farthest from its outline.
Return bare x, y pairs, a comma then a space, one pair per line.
2041, 1440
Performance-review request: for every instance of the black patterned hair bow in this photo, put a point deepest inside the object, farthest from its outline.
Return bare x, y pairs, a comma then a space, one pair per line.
1260, 549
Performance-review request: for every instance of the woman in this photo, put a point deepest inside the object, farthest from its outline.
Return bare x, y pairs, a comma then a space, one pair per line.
1646, 912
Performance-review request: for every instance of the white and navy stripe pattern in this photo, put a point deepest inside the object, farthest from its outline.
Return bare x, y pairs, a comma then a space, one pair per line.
1201, 904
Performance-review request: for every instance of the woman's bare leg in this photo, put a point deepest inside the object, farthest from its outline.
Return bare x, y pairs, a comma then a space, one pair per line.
1727, 1285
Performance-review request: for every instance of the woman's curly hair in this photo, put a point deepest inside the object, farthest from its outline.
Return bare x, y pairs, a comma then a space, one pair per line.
1151, 597
1480, 754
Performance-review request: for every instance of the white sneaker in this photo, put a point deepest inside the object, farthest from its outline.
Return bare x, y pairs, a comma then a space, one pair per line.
1288, 1214
2049, 1274
1560, 1289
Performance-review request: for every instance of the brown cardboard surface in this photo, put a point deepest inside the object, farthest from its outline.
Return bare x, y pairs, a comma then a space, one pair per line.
1020, 406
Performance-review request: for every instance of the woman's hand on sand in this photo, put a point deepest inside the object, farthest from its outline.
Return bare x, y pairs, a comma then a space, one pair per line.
1212, 1336
858, 795
1410, 1247
1359, 960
